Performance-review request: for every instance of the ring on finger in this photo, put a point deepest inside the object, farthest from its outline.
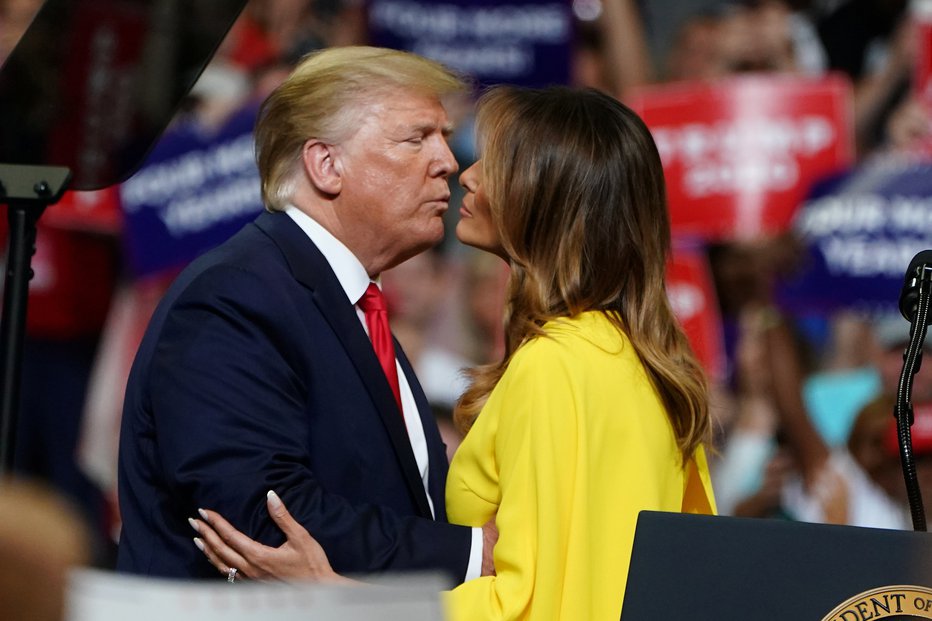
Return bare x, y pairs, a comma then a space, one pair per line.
231, 574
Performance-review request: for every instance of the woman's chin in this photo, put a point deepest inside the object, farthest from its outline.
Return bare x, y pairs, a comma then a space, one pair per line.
463, 235
480, 242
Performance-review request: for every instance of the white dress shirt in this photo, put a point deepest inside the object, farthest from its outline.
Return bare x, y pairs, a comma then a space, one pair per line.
355, 280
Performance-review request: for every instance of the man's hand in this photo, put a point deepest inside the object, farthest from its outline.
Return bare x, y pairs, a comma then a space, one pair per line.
489, 539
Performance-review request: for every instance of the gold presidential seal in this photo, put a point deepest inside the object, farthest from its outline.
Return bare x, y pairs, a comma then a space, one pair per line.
890, 602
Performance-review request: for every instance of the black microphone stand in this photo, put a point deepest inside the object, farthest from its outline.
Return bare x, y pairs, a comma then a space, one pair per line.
27, 191
903, 410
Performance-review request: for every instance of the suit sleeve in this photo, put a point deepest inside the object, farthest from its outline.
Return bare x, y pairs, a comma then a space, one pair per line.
228, 392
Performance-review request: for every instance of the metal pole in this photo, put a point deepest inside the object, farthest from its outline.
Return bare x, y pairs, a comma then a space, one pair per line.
22, 218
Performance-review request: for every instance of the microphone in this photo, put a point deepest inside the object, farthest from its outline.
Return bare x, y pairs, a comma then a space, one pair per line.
909, 296
914, 297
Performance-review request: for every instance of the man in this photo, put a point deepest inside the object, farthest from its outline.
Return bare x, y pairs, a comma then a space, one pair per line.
256, 372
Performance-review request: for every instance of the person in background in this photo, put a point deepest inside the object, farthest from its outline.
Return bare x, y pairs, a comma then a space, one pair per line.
598, 409
862, 482
416, 291
869, 461
768, 366
740, 36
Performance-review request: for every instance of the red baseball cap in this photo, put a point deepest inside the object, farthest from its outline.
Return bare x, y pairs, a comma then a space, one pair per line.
920, 432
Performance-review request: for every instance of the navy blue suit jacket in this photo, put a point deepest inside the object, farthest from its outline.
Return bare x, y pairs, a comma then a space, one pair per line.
255, 374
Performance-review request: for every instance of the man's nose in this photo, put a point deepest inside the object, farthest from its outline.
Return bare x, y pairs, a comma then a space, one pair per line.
444, 164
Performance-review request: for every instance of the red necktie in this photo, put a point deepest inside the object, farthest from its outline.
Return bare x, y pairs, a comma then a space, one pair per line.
372, 304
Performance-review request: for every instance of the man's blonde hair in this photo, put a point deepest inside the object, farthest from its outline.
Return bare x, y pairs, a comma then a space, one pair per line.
325, 97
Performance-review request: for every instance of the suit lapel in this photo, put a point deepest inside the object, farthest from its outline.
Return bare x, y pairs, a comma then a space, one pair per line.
311, 269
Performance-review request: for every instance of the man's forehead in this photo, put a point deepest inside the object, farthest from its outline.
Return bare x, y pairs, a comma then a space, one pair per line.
412, 113
409, 102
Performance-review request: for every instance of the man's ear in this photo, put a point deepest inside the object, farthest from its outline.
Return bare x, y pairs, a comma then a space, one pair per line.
322, 167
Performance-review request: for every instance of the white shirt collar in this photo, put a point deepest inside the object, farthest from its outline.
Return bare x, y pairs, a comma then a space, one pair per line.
349, 270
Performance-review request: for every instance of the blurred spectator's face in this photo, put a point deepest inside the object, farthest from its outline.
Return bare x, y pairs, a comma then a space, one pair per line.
742, 276
736, 40
868, 448
923, 465
774, 37
486, 279
922, 383
414, 289
891, 365
695, 55
743, 39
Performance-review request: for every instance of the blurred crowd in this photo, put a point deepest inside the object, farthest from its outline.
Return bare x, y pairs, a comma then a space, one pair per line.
804, 425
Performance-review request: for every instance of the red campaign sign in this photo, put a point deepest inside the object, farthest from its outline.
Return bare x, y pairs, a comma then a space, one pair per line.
75, 266
692, 296
74, 273
922, 75
922, 72
98, 211
740, 154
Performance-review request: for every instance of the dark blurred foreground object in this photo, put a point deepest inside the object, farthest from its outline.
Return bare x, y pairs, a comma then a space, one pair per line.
770, 570
93, 83
83, 97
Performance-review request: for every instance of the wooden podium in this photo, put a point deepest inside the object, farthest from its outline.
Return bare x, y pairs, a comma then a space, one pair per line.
699, 567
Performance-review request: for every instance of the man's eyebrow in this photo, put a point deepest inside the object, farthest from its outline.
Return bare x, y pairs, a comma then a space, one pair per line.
446, 130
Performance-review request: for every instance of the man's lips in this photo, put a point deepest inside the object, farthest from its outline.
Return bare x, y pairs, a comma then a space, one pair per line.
444, 200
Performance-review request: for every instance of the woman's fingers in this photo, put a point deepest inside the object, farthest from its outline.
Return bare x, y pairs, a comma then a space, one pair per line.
305, 558
220, 555
282, 517
301, 556
215, 560
238, 542
226, 547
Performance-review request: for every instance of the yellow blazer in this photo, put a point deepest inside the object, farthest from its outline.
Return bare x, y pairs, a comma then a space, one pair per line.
572, 443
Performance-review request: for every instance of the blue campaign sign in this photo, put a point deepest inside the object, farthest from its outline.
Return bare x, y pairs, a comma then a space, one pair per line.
193, 192
862, 229
524, 42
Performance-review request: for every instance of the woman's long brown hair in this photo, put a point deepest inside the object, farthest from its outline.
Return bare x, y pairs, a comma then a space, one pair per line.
576, 189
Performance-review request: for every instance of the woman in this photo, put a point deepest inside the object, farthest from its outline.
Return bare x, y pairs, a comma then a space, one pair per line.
599, 408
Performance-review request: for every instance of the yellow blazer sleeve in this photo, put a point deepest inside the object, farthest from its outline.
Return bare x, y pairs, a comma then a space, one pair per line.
698, 496
535, 451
